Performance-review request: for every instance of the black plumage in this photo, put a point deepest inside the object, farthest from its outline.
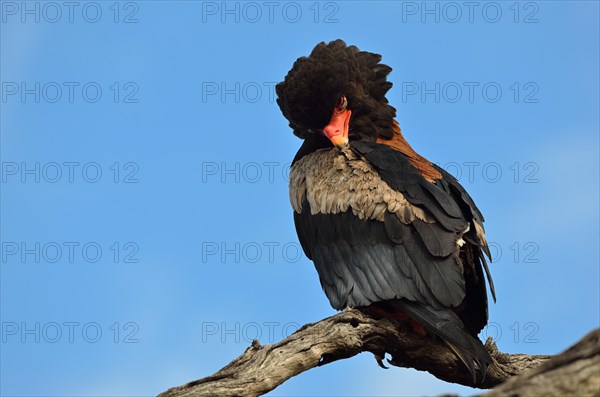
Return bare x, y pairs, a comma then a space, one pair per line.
315, 83
393, 230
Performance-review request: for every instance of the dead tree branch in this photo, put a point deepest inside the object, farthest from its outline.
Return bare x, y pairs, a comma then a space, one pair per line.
262, 368
575, 372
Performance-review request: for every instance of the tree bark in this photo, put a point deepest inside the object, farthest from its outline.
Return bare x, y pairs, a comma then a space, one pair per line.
260, 369
575, 372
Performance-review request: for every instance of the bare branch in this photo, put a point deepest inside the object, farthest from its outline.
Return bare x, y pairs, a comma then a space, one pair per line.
262, 368
575, 372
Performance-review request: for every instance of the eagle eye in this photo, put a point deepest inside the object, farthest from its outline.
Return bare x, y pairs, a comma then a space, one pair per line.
342, 104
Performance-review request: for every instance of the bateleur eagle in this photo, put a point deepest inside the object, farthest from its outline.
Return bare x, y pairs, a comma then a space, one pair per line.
387, 230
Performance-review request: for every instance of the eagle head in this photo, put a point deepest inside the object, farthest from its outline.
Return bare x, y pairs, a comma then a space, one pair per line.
338, 91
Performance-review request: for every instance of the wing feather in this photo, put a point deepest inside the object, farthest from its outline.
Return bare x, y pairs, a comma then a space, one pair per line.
372, 253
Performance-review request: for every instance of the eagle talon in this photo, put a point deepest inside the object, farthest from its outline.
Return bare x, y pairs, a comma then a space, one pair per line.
379, 358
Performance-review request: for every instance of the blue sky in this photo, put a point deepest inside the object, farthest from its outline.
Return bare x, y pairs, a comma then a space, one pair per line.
146, 231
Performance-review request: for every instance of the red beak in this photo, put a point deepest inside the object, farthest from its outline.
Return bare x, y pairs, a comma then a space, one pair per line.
337, 129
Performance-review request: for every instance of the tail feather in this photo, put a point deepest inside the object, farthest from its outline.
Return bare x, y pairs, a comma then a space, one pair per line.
463, 357
446, 325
